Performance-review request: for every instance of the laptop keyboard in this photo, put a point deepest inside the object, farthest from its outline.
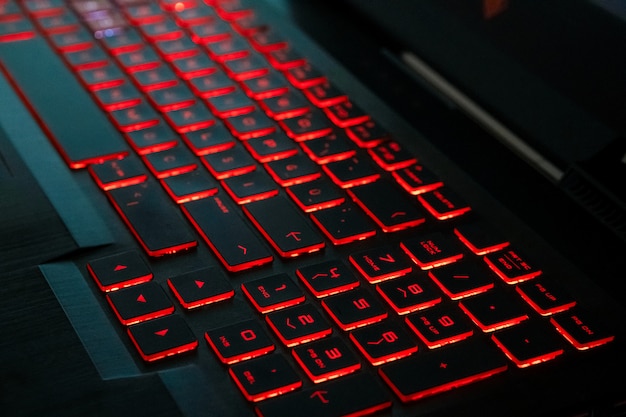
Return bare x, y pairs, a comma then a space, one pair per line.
233, 139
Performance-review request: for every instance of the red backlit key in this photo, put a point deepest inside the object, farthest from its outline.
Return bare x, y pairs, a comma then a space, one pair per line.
417, 179
293, 170
193, 66
153, 78
171, 49
165, 28
351, 172
231, 162
190, 186
232, 47
75, 40
285, 106
433, 250
115, 173
251, 125
14, 30
152, 139
346, 114
384, 342
127, 40
271, 148
440, 325
93, 57
201, 287
326, 359
334, 147
137, 117
252, 186
443, 203
272, 293
344, 224
368, 134
162, 337
409, 293
240, 341
285, 58
212, 84
305, 76
270, 85
250, 66
158, 226
299, 324
310, 125
354, 395
354, 309
194, 117
210, 31
462, 279
494, 310
328, 278
512, 266
215, 138
381, 264
118, 97
228, 235
545, 296
140, 302
139, 59
324, 94
529, 343
582, 329
169, 162
171, 98
120, 270
316, 195
265, 377
267, 40
391, 155
102, 77
387, 205
232, 104
480, 237
284, 227
448, 368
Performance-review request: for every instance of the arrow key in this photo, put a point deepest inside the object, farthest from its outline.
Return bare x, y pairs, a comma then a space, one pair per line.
166, 336
201, 287
140, 303
119, 270
273, 293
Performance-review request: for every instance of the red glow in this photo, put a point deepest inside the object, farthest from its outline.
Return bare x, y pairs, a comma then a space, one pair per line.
139, 319
267, 394
163, 354
345, 240
200, 303
119, 285
238, 358
527, 362
328, 375
480, 251
298, 340
272, 307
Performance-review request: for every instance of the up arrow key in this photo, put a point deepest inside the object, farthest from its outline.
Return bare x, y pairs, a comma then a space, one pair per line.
140, 303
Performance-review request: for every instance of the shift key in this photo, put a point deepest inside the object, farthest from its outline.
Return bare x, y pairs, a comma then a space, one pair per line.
153, 219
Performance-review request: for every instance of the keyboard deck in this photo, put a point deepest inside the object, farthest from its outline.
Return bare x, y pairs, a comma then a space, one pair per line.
315, 255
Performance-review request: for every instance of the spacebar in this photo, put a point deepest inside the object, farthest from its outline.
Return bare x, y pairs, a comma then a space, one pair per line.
79, 129
157, 225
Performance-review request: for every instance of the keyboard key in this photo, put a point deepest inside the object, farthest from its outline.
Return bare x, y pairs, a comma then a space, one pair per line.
324, 94
299, 324
433, 250
251, 125
316, 195
138, 117
249, 66
272, 293
239, 341
265, 377
512, 266
344, 224
368, 134
212, 139
354, 309
284, 227
269, 85
442, 369
252, 186
285, 106
171, 162
582, 329
162, 337
120, 270
391, 156
201, 287
194, 117
271, 148
293, 170
384, 342
409, 293
546, 297
232, 104
462, 279
116, 173
190, 186
326, 359
140, 302
118, 97
305, 76
229, 163
328, 278
311, 125
443, 203
334, 147
440, 325
157, 225
360, 394
417, 179
494, 310
351, 172
213, 84
480, 237
346, 114
380, 264
529, 343
228, 235
152, 139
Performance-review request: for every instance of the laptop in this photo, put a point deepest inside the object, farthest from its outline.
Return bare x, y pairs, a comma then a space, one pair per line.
272, 208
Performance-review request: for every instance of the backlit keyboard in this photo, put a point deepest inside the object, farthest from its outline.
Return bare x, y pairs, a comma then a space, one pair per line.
359, 267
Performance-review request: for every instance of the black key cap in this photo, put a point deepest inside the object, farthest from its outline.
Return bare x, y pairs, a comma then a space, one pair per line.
462, 279
284, 227
252, 186
354, 309
512, 266
327, 278
494, 310
388, 206
344, 224
293, 170
481, 237
232, 241
326, 359
316, 195
240, 341
582, 329
409, 293
190, 186
381, 264
140, 303
162, 337
417, 179
355, 395
201, 287
265, 377
120, 270
440, 325
391, 155
384, 342
530, 343
546, 297
272, 293
443, 203
433, 250
299, 324
443, 369
89, 138
155, 223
